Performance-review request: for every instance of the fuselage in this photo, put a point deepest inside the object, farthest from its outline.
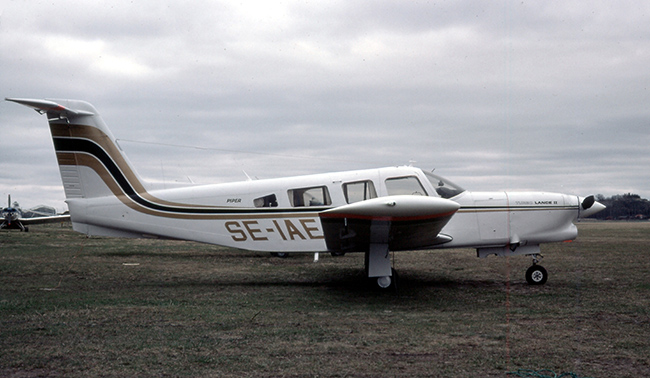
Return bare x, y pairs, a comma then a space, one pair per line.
283, 214
10, 218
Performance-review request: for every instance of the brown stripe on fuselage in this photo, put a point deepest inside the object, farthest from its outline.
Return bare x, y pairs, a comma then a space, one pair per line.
105, 142
94, 164
66, 158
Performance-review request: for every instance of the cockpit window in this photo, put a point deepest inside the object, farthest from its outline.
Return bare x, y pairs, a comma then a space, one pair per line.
444, 187
409, 185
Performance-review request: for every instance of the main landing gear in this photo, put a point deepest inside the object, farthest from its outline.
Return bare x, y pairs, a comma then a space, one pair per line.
387, 282
379, 267
536, 274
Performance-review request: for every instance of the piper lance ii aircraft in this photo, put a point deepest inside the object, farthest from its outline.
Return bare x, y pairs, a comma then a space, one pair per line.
372, 211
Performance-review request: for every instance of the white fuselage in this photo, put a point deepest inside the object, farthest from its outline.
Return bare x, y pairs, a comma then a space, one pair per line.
485, 219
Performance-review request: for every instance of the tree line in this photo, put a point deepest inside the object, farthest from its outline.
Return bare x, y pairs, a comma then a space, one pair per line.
623, 207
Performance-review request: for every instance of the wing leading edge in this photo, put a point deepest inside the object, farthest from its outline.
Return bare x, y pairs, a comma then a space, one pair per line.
41, 220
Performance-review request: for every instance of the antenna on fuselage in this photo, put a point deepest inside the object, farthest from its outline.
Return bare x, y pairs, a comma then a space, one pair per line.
248, 177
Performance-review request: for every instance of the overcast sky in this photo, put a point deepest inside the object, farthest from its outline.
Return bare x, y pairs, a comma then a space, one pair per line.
514, 95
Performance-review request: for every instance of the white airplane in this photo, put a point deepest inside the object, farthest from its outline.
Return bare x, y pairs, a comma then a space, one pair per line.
372, 211
12, 218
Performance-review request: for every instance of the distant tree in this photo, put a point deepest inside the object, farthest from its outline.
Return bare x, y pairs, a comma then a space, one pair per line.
624, 206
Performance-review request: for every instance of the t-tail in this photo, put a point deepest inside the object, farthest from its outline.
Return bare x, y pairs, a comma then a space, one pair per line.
92, 166
91, 162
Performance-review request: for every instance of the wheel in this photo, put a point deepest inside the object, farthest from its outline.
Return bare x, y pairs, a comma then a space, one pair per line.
338, 254
536, 275
279, 254
384, 282
388, 281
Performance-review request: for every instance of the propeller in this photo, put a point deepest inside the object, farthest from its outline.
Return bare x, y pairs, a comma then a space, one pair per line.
589, 206
588, 202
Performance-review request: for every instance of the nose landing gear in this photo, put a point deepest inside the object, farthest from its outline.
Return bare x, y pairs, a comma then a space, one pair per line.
536, 274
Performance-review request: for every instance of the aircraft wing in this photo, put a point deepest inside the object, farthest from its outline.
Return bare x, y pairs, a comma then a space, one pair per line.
39, 220
401, 222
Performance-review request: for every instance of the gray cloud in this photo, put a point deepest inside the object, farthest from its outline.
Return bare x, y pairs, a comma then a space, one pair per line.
497, 95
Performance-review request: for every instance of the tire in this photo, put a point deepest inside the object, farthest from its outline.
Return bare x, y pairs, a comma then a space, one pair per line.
383, 283
536, 275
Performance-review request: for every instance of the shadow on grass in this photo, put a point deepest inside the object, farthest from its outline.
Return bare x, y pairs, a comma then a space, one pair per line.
189, 254
348, 285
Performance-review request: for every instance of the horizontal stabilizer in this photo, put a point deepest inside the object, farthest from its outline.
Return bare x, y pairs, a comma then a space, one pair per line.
43, 106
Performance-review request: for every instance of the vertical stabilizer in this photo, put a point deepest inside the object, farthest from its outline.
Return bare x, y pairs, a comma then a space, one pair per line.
90, 161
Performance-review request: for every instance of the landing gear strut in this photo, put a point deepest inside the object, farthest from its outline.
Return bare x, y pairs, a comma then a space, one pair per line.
536, 274
378, 264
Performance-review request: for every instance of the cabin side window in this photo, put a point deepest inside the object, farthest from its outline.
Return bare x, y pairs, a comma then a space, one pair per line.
316, 196
359, 191
409, 185
267, 201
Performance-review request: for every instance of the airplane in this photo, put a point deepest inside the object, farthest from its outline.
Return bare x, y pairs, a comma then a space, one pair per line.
372, 211
12, 218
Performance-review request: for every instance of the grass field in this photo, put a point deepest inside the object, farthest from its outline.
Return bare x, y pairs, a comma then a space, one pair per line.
74, 306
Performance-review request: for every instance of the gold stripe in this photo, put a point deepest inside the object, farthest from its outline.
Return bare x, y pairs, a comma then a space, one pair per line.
105, 142
516, 209
94, 164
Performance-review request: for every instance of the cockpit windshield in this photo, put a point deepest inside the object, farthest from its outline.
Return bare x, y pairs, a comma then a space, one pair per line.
444, 187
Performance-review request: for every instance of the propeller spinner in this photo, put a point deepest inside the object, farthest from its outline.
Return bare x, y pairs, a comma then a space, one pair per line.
589, 206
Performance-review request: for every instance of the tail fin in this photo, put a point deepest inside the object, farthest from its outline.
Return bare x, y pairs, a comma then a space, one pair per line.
90, 161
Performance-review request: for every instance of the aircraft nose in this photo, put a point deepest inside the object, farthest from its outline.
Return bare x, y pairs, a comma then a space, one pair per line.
589, 206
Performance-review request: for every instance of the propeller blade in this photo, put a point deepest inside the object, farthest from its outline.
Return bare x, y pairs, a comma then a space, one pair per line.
588, 202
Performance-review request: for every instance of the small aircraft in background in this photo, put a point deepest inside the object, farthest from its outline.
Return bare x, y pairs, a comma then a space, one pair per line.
12, 218
372, 211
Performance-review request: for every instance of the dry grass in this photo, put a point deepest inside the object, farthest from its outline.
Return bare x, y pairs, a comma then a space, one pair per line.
72, 306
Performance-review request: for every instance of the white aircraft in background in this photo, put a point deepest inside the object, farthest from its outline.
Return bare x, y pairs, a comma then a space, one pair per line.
372, 211
13, 219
